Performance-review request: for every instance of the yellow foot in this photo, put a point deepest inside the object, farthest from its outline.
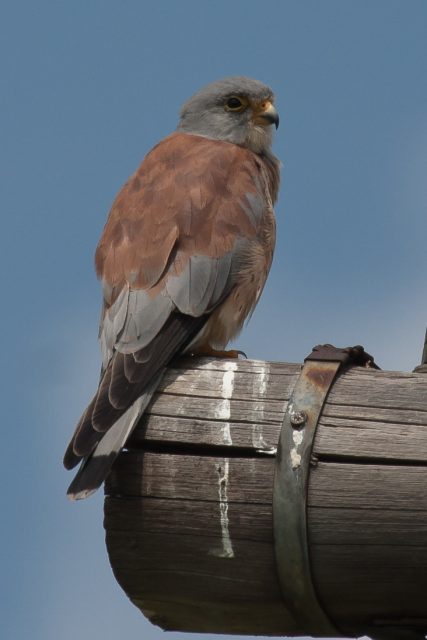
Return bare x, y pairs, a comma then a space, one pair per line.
204, 352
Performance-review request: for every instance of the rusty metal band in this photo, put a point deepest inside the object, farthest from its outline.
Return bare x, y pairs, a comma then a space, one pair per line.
290, 496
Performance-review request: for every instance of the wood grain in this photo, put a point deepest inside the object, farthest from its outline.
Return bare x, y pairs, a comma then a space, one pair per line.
188, 507
182, 477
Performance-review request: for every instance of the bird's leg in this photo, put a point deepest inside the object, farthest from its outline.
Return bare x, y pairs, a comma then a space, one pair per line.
207, 351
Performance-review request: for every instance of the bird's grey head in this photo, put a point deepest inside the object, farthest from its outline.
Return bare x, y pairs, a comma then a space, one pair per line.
238, 110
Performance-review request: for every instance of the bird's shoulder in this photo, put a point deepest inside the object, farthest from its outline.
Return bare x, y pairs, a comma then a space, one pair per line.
186, 186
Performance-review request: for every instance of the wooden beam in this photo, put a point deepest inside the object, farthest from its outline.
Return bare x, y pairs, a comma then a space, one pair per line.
188, 508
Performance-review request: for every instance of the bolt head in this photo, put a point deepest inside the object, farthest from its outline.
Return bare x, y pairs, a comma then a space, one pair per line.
298, 418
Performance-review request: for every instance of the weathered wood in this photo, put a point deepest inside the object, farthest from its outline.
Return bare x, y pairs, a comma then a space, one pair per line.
342, 526
210, 571
251, 522
383, 421
368, 540
370, 486
188, 509
192, 477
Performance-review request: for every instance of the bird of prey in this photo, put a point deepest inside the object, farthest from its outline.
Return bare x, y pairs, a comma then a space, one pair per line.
183, 259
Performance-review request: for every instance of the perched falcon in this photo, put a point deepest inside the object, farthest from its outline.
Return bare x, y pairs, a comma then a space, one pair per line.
183, 259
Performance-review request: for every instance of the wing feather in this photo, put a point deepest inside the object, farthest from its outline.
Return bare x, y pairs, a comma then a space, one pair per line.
171, 251
145, 317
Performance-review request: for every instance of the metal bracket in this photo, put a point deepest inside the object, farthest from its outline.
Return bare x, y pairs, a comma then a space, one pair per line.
291, 484
422, 368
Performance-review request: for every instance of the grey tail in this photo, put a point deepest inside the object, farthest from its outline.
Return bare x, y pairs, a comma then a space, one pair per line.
95, 468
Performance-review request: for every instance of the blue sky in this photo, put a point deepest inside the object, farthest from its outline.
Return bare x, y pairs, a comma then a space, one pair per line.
86, 89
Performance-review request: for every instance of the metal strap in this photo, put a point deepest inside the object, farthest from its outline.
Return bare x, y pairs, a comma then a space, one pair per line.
294, 456
291, 483
290, 496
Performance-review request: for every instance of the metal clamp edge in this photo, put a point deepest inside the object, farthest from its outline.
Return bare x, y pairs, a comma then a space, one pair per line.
290, 494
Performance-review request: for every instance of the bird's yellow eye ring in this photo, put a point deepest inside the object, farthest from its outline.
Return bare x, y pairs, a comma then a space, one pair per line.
234, 103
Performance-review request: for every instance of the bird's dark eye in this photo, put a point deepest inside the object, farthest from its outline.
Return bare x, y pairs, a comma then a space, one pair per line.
234, 104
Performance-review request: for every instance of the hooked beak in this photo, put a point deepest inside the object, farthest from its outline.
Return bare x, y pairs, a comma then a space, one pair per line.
266, 114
